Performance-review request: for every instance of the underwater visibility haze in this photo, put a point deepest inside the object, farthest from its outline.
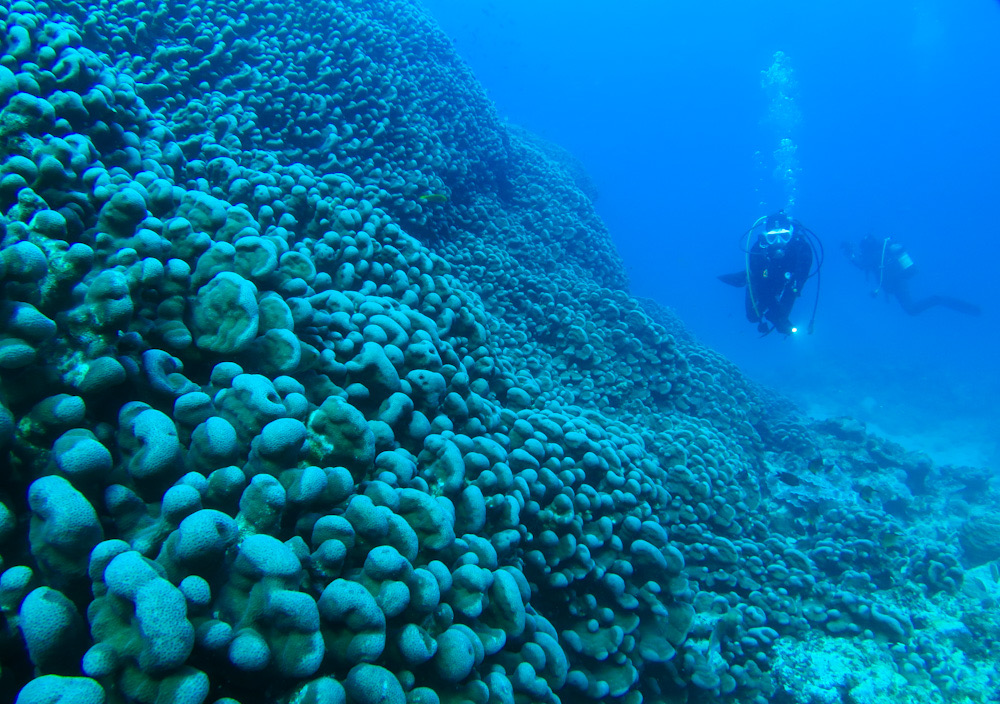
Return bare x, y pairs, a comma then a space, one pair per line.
676, 112
373, 352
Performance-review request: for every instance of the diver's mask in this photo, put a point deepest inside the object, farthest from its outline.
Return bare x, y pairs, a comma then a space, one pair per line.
777, 236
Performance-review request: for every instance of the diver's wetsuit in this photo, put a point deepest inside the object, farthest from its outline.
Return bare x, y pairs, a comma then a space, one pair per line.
777, 275
887, 262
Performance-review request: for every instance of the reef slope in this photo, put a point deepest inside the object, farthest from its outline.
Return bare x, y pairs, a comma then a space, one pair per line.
320, 383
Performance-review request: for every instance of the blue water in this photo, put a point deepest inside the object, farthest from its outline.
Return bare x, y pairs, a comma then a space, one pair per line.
899, 101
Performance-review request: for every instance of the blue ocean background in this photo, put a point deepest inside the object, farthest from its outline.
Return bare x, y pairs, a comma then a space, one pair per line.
663, 104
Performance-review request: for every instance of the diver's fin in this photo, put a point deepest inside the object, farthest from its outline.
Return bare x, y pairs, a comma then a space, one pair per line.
961, 306
737, 279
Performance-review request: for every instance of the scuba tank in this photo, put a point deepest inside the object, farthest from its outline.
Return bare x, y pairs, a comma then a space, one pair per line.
893, 255
902, 258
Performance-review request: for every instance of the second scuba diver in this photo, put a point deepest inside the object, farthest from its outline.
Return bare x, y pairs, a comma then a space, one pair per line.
778, 265
887, 262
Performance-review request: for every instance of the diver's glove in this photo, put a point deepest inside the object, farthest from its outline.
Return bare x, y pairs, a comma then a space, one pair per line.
784, 327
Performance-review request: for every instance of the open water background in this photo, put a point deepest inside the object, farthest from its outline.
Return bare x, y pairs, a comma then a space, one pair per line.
899, 101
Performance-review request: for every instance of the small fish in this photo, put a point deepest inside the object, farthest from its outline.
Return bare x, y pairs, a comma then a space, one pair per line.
890, 538
789, 478
434, 198
866, 492
815, 464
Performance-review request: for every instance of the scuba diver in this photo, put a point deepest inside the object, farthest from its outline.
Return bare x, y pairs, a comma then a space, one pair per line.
887, 262
777, 266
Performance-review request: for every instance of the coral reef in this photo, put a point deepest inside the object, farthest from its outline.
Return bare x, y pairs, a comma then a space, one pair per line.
277, 429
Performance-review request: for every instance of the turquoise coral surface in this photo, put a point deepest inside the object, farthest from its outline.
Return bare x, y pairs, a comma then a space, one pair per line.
277, 429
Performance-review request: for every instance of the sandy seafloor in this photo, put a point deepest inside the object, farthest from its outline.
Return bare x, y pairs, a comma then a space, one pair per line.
321, 383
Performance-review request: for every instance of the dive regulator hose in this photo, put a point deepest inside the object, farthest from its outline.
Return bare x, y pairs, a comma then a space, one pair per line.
816, 245
746, 252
